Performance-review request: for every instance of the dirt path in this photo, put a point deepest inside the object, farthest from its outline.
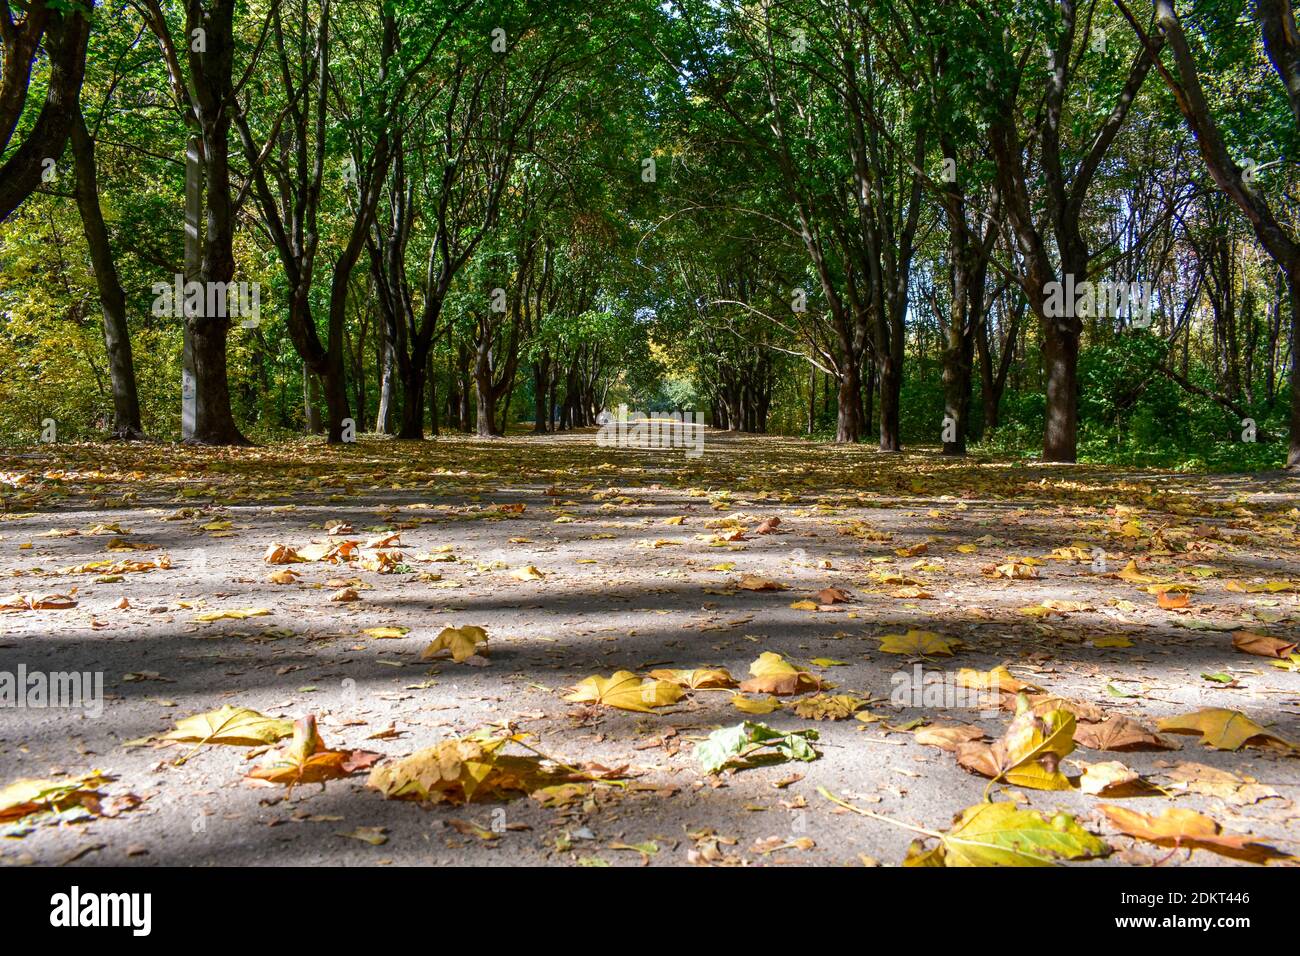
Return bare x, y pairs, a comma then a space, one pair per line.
632, 578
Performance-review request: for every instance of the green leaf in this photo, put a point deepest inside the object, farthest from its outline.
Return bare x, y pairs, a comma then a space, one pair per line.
728, 744
999, 834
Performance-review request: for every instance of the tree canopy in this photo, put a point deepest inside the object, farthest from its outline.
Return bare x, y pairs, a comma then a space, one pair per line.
1056, 227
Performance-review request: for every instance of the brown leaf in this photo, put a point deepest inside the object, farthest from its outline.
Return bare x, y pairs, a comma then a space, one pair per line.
1261, 645
832, 596
1180, 827
947, 736
1120, 733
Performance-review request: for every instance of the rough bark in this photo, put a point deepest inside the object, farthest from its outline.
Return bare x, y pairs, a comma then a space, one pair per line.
117, 335
63, 36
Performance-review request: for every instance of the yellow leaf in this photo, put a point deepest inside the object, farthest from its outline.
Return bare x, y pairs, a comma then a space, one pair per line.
701, 678
625, 691
28, 795
455, 770
1133, 575
924, 643
755, 705
1029, 753
1113, 641
388, 632
1221, 729
463, 642
999, 680
234, 614
773, 674
239, 726
1000, 834
828, 707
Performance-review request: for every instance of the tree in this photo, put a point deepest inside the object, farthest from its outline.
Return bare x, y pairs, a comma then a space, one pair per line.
1278, 26
62, 30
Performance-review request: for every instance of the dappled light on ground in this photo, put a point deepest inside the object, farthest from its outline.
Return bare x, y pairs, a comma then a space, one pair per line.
596, 625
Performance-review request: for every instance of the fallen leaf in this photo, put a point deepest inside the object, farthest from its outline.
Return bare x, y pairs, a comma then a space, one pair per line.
463, 643
625, 691
1221, 729
1181, 827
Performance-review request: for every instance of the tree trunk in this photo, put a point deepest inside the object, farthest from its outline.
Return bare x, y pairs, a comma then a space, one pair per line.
433, 396
412, 417
463, 372
64, 46
337, 407
1293, 456
311, 401
1061, 357
214, 420
541, 370
812, 399
387, 381
956, 389
890, 376
848, 428
117, 335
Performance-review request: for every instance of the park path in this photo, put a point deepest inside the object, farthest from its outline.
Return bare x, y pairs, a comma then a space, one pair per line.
640, 560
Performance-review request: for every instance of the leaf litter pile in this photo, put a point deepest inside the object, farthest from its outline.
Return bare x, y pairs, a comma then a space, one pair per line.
536, 650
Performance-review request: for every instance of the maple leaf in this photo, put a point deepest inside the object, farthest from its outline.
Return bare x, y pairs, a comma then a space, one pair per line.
1181, 827
728, 745
922, 643
281, 554
463, 643
755, 705
1221, 729
1111, 777
387, 632
46, 602
27, 796
752, 582
832, 596
701, 678
1029, 753
239, 726
1172, 601
1211, 781
1000, 834
947, 736
1133, 575
458, 769
306, 759
625, 691
1119, 733
1261, 645
998, 680
773, 674
233, 614
828, 707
